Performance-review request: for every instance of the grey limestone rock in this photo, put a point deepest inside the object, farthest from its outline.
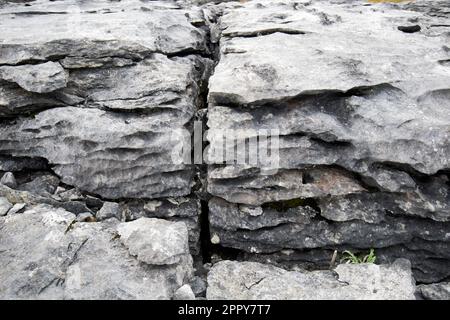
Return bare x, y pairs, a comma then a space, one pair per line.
109, 210
255, 281
46, 254
362, 113
155, 241
5, 205
40, 78
435, 291
8, 180
184, 293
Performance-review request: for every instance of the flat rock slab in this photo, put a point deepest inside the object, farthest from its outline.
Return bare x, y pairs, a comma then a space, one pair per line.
256, 281
277, 49
101, 29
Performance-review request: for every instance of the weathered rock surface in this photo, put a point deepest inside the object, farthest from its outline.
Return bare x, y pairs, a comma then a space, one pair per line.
109, 210
5, 205
118, 80
9, 180
46, 254
155, 241
255, 281
184, 293
95, 98
40, 78
362, 110
435, 291
88, 146
99, 29
184, 209
271, 50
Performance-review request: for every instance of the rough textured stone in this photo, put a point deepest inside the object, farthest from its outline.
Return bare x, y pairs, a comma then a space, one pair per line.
436, 291
255, 281
41, 184
45, 254
95, 30
155, 241
9, 180
184, 293
5, 205
114, 155
184, 209
362, 110
300, 228
41, 78
93, 96
109, 210
321, 47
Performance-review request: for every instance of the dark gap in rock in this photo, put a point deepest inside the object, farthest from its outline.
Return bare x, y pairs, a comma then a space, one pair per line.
219, 253
266, 32
415, 174
205, 235
207, 249
284, 205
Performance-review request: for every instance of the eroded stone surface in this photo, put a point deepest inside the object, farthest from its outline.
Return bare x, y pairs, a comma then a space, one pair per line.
362, 112
255, 281
40, 78
46, 254
436, 291
155, 241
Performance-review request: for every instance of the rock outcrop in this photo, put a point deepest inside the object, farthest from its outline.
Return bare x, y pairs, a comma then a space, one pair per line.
96, 92
328, 129
362, 110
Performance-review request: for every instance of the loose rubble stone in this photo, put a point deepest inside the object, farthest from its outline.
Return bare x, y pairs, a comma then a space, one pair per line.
9, 180
155, 241
184, 293
109, 210
5, 205
435, 291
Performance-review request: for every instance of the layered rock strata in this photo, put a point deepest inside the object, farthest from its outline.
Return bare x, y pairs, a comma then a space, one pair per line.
362, 110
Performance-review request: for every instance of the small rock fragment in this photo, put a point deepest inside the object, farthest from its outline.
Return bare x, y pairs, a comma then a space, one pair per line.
9, 180
184, 293
155, 241
198, 285
435, 291
109, 210
5, 205
16, 208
